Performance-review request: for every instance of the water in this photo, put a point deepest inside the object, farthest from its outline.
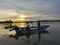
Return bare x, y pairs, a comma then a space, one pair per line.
51, 38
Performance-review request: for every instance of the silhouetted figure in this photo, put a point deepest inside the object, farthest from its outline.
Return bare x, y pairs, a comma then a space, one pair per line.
28, 27
28, 30
38, 25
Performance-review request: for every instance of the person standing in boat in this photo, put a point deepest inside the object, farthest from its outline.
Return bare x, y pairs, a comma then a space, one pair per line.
27, 27
38, 25
28, 30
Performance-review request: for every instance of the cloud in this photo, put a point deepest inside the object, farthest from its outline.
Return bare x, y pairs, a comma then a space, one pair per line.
42, 8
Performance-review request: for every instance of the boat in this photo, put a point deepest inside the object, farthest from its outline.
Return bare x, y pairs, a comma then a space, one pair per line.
42, 27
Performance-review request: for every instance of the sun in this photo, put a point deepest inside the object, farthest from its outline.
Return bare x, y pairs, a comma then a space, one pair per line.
22, 17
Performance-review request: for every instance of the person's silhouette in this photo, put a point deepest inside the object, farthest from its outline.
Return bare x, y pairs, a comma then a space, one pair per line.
38, 25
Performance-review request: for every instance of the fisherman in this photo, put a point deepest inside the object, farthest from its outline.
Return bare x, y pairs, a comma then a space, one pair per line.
27, 27
38, 25
28, 30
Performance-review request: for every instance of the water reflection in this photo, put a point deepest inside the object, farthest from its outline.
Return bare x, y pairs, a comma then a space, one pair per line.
27, 34
35, 38
17, 24
21, 24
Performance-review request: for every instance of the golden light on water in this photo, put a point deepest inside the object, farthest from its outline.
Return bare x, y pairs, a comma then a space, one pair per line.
21, 18
21, 24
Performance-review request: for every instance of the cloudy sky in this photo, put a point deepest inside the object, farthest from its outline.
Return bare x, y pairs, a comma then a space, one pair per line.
39, 9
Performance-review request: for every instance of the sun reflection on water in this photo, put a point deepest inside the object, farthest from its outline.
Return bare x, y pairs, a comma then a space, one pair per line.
21, 24
20, 18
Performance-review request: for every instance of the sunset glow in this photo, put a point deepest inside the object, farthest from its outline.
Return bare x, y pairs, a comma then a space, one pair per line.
22, 17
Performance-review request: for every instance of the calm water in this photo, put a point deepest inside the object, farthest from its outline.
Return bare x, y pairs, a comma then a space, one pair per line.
51, 38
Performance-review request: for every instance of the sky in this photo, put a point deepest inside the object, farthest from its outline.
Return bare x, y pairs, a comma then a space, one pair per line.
39, 9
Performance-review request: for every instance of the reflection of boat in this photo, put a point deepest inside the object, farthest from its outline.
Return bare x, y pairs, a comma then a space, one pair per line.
28, 34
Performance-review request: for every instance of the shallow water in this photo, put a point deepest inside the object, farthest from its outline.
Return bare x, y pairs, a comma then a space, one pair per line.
51, 38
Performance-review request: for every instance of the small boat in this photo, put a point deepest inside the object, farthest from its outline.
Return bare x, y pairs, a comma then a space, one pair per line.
35, 27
